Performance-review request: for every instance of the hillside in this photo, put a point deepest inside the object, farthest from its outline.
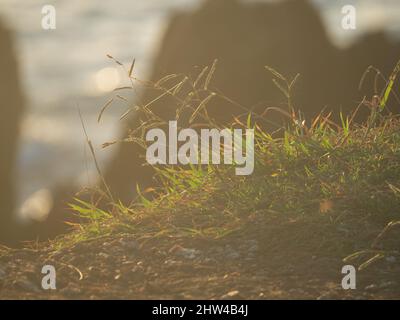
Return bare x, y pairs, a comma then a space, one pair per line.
321, 197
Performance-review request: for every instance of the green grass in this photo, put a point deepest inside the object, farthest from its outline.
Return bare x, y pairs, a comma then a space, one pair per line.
330, 177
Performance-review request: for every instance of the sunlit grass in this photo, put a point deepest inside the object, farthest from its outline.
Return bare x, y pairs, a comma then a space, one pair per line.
331, 175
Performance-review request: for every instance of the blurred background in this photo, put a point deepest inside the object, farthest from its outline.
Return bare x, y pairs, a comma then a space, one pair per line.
66, 68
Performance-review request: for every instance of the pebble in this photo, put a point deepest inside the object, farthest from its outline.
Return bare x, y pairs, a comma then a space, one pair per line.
371, 287
171, 262
230, 295
187, 253
231, 253
252, 245
130, 244
391, 259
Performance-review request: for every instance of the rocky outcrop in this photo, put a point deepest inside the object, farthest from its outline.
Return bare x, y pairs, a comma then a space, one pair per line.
11, 106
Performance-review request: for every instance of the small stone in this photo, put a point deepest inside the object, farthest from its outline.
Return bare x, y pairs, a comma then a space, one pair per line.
232, 254
171, 262
230, 295
103, 255
371, 287
130, 244
253, 249
185, 252
253, 245
391, 259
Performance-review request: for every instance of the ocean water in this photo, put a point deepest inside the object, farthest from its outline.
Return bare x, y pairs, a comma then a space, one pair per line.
67, 68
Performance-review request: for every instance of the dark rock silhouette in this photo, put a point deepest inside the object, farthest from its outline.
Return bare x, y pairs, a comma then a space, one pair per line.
375, 50
13, 231
288, 36
11, 105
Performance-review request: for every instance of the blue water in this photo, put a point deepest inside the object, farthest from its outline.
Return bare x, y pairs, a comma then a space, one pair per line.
60, 71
